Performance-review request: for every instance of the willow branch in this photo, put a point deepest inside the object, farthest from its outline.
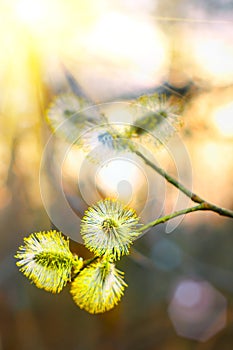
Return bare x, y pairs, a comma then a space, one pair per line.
194, 197
171, 216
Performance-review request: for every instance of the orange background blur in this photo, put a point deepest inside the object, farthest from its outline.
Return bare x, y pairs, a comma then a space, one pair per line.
118, 49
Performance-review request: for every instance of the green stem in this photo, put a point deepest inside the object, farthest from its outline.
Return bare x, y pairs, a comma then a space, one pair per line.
171, 216
85, 264
170, 179
194, 197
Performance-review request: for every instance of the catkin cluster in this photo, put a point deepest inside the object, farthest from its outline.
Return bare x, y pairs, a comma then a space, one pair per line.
108, 229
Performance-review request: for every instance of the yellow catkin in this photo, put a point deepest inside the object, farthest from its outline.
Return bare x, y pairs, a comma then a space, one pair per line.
45, 258
109, 228
98, 287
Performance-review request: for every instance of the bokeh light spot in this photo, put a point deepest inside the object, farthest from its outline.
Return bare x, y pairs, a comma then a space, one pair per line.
197, 310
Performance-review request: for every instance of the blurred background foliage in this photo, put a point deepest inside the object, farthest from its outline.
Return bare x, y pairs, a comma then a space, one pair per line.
180, 290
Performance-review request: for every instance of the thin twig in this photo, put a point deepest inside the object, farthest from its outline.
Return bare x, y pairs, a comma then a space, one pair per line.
85, 264
171, 216
194, 197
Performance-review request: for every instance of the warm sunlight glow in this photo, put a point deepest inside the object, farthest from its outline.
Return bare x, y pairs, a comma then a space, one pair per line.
31, 11
215, 57
130, 40
223, 119
120, 177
